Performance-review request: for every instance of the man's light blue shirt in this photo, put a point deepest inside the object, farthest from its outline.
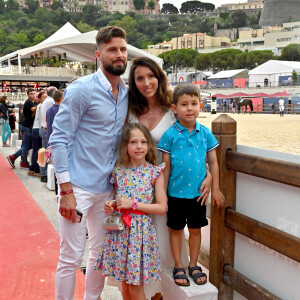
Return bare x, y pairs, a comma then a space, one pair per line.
188, 158
86, 132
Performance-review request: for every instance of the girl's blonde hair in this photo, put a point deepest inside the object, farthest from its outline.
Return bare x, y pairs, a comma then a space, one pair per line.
123, 159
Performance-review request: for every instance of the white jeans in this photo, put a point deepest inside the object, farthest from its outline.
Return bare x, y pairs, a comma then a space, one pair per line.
72, 245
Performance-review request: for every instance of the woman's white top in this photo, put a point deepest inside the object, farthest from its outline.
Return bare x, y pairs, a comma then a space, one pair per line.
156, 133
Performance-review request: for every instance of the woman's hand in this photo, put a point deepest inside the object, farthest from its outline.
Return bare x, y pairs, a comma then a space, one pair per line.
109, 207
124, 203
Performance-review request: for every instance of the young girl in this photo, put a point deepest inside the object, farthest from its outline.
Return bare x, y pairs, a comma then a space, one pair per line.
131, 255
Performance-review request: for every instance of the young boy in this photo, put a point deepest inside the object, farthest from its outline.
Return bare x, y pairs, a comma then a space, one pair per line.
185, 146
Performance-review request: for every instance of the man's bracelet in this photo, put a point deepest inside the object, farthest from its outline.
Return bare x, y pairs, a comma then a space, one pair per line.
66, 192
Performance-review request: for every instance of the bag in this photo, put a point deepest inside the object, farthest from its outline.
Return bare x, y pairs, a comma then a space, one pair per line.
113, 222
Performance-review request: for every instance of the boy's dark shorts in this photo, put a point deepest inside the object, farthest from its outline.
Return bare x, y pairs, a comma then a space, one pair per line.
182, 211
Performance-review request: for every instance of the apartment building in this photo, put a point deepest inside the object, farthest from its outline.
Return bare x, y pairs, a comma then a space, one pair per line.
112, 6
188, 41
251, 7
276, 37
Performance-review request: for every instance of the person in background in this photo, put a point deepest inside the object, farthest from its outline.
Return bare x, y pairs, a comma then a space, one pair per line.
48, 102
84, 149
34, 168
52, 111
4, 115
50, 114
281, 106
28, 115
185, 147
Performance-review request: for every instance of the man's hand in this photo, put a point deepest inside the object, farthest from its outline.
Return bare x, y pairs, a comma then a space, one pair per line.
67, 207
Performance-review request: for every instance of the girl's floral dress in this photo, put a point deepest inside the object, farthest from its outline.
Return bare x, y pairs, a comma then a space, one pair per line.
132, 254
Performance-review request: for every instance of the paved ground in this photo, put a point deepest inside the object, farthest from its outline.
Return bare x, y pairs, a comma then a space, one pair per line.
45, 199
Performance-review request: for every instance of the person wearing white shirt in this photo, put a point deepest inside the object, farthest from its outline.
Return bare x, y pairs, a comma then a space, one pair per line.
84, 149
281, 106
48, 102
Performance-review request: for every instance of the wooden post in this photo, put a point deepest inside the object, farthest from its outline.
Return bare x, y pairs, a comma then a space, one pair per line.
222, 237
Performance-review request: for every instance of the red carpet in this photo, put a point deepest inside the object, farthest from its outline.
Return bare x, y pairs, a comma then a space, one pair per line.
29, 247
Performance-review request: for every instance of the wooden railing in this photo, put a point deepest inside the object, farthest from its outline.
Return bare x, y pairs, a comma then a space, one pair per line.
225, 222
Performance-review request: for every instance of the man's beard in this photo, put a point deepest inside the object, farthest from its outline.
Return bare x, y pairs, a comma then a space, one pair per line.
114, 70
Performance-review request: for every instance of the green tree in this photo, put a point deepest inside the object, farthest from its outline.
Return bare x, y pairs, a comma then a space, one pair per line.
12, 5
2, 6
56, 4
192, 7
41, 16
32, 6
139, 4
84, 27
129, 25
90, 14
38, 38
239, 18
22, 23
151, 5
203, 61
291, 52
169, 9
19, 39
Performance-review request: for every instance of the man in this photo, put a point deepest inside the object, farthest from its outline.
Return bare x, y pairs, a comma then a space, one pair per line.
27, 123
48, 102
83, 144
281, 106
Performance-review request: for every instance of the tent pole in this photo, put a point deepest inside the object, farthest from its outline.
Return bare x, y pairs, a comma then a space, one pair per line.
19, 64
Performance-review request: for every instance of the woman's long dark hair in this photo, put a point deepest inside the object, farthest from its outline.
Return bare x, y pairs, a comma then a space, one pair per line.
137, 103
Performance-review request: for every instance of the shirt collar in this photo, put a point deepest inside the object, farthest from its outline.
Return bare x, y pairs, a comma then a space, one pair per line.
104, 81
182, 128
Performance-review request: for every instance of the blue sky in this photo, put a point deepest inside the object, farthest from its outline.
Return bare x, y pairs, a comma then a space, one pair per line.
217, 3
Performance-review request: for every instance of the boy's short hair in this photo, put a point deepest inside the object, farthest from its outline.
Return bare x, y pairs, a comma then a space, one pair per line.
105, 34
185, 89
57, 95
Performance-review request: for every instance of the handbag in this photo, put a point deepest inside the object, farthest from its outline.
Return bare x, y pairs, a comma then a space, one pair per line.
113, 222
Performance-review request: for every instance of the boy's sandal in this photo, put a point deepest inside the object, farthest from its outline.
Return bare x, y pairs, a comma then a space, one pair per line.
180, 276
197, 275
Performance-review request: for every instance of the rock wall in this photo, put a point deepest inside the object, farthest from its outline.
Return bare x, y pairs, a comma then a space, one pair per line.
276, 12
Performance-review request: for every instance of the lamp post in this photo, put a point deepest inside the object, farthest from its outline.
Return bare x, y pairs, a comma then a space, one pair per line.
196, 60
176, 56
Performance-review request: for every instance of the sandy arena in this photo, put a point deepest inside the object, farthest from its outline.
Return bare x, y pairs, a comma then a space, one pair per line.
265, 131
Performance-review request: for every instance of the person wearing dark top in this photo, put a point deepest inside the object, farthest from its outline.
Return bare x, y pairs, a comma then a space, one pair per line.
27, 123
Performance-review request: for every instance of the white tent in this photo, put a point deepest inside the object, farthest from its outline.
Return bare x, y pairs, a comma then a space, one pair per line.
240, 73
271, 70
77, 46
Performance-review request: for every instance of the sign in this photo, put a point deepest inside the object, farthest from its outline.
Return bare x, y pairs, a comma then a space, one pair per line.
180, 79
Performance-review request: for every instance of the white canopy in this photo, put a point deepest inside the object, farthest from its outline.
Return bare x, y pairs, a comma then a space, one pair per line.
271, 70
240, 73
77, 46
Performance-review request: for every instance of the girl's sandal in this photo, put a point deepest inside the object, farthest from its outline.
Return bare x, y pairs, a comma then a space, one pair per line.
197, 275
180, 276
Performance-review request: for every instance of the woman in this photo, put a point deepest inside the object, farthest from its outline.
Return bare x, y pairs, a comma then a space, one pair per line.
150, 99
4, 113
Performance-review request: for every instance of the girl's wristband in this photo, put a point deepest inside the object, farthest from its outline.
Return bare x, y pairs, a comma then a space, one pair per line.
66, 192
134, 204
